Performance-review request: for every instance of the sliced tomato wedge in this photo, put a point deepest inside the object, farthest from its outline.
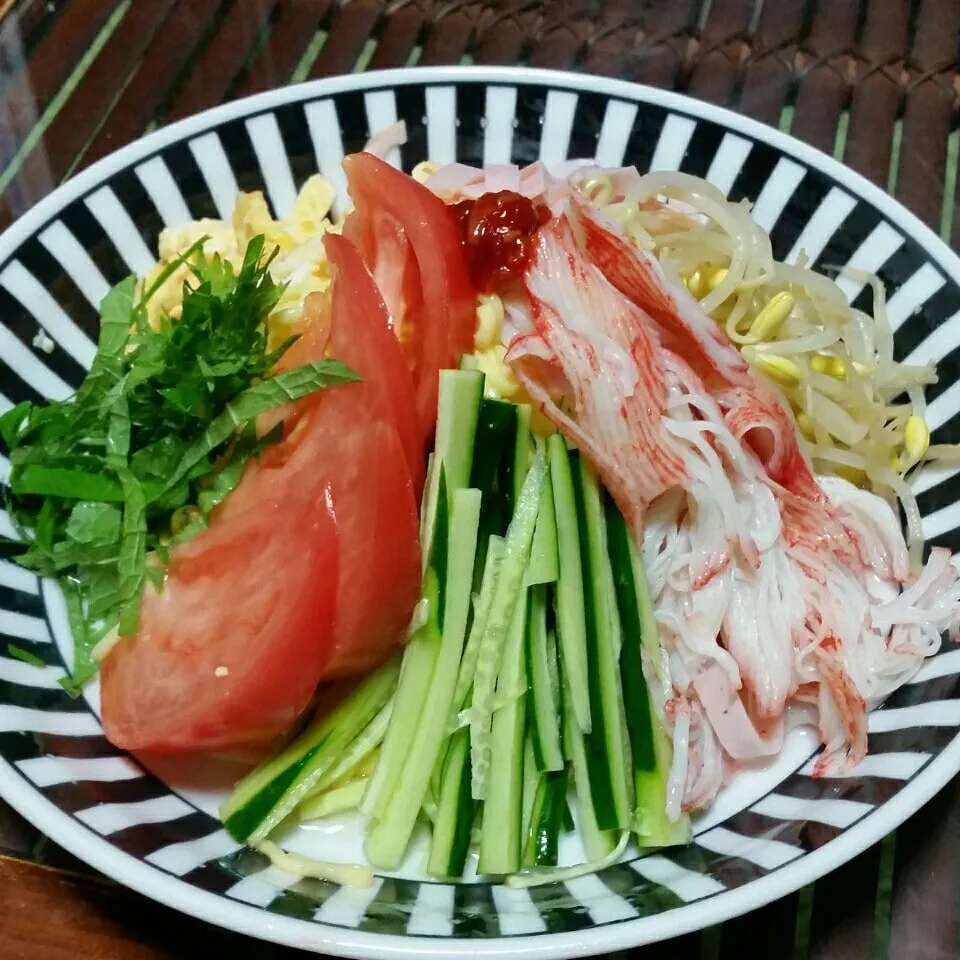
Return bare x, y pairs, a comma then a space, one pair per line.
379, 571
362, 338
230, 652
346, 439
436, 322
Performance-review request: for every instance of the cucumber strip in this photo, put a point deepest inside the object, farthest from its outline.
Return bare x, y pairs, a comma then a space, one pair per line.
458, 406
541, 677
481, 614
537, 878
388, 837
268, 794
419, 660
492, 474
597, 843
531, 777
610, 780
501, 838
543, 836
460, 393
359, 771
523, 450
651, 747
506, 594
567, 823
553, 667
571, 618
338, 800
636, 695
544, 564
450, 841
495, 440
360, 749
651, 823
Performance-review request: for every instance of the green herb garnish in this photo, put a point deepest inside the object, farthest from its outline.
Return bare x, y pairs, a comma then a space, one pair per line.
25, 656
156, 436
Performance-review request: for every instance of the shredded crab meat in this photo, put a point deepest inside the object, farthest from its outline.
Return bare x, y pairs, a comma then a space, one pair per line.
772, 586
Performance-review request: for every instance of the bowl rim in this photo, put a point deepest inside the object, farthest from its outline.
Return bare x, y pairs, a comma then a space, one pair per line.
151, 881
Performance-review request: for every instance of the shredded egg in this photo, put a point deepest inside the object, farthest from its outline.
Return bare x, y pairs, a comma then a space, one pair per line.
300, 261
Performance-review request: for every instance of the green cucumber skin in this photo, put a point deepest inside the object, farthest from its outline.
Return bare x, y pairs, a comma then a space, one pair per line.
272, 791
435, 576
651, 748
531, 779
568, 598
597, 843
544, 566
241, 824
523, 450
547, 820
458, 405
492, 474
636, 696
500, 842
604, 743
544, 708
460, 846
508, 592
450, 842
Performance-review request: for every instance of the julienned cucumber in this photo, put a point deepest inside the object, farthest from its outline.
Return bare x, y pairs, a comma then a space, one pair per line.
531, 777
509, 586
450, 465
526, 663
500, 838
541, 658
546, 820
388, 837
458, 407
610, 784
652, 750
597, 843
636, 696
267, 795
544, 564
492, 473
450, 841
571, 617
416, 672
361, 751
481, 613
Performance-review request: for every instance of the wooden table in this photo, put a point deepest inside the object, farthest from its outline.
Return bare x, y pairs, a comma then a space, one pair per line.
873, 82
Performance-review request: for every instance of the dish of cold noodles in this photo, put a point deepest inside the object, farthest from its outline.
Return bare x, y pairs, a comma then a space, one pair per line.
513, 503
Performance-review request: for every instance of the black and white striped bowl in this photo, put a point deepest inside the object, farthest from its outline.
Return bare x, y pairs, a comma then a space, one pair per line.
770, 834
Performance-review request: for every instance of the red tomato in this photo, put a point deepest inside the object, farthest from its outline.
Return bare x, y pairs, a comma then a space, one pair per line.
378, 521
346, 439
362, 338
230, 652
439, 317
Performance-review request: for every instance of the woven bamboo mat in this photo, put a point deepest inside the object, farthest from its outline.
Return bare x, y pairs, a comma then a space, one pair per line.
874, 82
